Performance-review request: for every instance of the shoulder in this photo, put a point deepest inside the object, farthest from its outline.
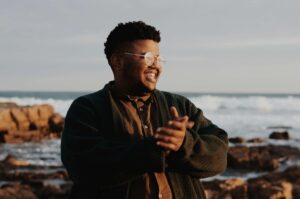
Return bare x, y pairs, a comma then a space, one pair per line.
95, 97
92, 102
173, 97
182, 103
170, 95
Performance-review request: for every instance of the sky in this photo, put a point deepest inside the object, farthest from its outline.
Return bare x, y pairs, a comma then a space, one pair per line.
210, 46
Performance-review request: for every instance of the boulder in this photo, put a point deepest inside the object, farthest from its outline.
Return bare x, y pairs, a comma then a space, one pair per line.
230, 188
12, 161
278, 183
256, 140
45, 111
29, 123
253, 158
56, 123
268, 190
17, 192
6, 105
260, 158
6, 121
280, 135
236, 140
20, 119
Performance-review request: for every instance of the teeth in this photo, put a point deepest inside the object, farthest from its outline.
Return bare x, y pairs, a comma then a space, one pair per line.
150, 76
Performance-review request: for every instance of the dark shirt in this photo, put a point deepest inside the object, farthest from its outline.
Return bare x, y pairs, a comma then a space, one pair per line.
139, 116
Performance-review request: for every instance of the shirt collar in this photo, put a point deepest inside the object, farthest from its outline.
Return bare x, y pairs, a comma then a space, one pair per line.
118, 94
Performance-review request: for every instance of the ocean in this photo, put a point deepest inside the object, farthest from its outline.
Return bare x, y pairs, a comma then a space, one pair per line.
247, 115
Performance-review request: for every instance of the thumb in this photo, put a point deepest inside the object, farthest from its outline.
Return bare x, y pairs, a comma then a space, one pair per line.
174, 112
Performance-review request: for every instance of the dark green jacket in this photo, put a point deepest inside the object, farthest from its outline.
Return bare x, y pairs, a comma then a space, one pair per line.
102, 159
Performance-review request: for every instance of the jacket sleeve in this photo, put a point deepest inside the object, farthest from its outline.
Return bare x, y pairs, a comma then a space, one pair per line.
90, 156
204, 150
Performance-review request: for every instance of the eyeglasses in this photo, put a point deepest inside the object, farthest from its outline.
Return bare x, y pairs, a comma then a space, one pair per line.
149, 58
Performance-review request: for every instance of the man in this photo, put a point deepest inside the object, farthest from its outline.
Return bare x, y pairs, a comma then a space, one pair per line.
130, 140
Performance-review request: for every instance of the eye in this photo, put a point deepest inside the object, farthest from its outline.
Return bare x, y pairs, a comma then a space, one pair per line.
149, 58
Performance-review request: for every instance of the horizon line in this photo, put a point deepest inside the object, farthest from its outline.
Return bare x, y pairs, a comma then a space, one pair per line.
185, 92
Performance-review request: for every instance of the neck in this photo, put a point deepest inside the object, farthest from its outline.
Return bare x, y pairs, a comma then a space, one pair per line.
131, 91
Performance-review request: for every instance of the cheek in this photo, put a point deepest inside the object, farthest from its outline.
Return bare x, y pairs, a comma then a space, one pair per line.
133, 72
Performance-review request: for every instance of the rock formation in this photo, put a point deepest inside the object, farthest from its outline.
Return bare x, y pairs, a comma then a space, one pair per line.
28, 123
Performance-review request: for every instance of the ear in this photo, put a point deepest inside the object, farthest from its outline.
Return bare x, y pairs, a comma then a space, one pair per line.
116, 62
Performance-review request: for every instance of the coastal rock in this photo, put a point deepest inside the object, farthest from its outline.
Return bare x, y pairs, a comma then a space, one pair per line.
45, 182
278, 183
291, 175
254, 158
6, 105
260, 158
256, 140
230, 188
12, 161
280, 135
52, 191
56, 123
274, 185
17, 192
23, 136
236, 140
20, 119
6, 122
267, 190
29, 123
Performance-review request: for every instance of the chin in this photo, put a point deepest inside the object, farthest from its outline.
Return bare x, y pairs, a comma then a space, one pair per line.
147, 88
151, 87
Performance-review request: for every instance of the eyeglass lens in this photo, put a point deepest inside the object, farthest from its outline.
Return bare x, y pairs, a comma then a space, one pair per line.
150, 59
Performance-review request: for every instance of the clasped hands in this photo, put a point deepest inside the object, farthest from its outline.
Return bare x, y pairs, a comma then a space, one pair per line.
171, 136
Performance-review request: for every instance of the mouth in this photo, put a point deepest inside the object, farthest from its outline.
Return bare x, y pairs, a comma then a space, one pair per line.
151, 75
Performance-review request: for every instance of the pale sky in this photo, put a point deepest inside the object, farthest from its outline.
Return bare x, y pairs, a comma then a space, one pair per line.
210, 46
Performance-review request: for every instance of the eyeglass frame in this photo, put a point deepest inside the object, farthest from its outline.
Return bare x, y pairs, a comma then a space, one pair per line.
151, 58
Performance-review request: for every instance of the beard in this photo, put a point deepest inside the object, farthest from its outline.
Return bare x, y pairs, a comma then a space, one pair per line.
136, 86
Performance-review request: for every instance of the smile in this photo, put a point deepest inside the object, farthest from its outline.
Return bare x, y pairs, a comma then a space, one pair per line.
151, 76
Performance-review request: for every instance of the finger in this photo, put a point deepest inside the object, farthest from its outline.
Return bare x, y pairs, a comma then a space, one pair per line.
174, 112
182, 119
190, 124
177, 125
170, 132
168, 146
166, 131
166, 139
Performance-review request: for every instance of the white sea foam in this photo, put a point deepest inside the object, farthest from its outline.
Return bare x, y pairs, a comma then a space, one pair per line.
255, 103
253, 115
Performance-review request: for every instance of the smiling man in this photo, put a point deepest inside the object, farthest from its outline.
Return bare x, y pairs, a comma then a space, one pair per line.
130, 140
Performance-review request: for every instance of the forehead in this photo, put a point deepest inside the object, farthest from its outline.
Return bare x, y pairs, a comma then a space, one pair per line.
141, 46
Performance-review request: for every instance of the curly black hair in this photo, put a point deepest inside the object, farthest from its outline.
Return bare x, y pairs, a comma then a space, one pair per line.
129, 31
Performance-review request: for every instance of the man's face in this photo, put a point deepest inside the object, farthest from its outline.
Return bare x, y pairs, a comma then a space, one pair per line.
136, 76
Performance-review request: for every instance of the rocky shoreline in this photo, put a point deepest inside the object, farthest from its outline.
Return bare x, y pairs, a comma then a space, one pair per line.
278, 173
275, 165
20, 124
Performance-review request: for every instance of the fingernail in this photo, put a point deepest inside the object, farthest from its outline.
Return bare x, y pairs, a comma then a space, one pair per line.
158, 130
170, 122
158, 143
156, 135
